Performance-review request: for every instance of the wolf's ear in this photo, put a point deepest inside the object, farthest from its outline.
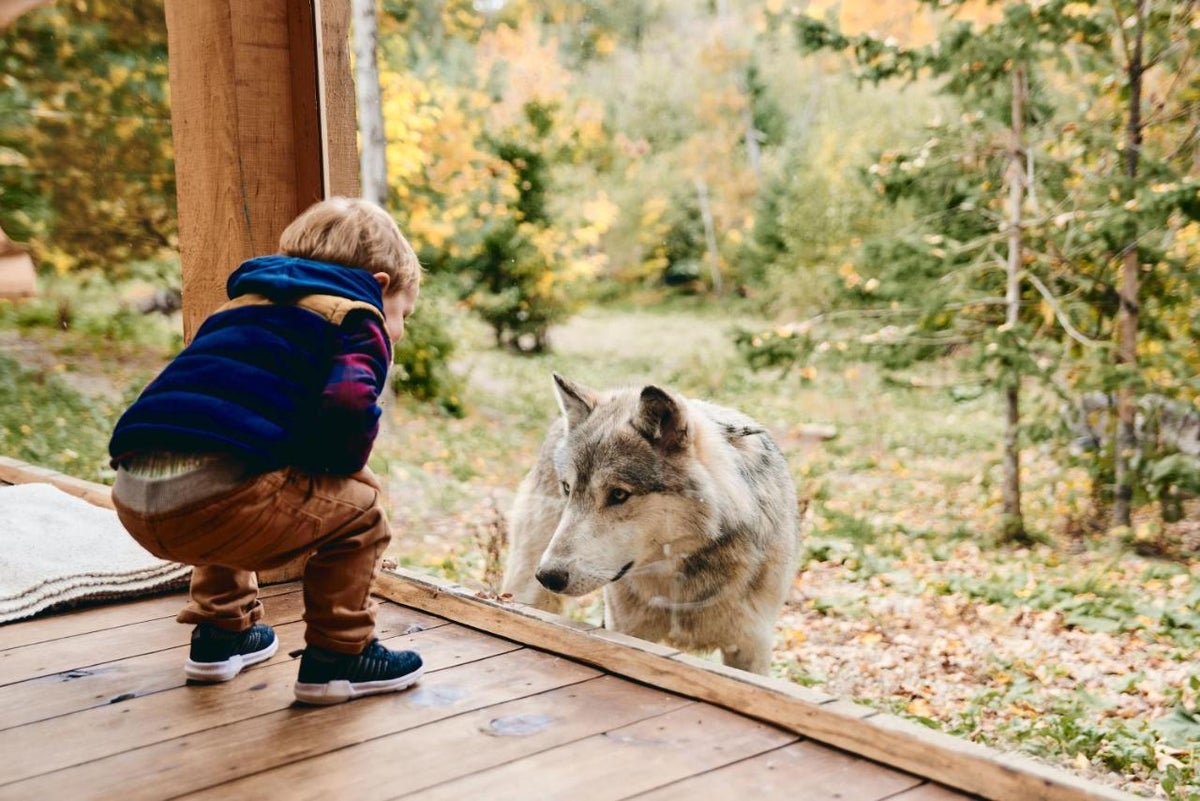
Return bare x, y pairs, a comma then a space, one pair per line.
575, 401
661, 420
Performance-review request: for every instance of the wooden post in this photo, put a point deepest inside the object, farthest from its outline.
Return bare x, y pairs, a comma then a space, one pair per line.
340, 141
262, 110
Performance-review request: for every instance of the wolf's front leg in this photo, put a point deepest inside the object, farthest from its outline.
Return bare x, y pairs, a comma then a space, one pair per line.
535, 517
529, 592
520, 580
751, 651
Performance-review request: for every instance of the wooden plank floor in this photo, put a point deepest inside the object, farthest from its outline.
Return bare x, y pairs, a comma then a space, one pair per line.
93, 704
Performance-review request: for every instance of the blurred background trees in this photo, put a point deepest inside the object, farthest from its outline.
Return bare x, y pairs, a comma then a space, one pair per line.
1075, 141
855, 171
86, 170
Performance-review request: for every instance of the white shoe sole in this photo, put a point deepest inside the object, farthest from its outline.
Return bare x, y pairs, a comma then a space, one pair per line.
336, 692
224, 671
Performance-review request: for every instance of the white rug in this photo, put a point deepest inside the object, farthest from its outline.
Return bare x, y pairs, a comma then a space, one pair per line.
56, 548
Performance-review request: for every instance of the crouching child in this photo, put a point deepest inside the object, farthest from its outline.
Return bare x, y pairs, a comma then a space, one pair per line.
249, 451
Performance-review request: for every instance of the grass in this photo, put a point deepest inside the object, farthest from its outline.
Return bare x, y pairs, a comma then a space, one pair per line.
43, 420
1075, 650
75, 357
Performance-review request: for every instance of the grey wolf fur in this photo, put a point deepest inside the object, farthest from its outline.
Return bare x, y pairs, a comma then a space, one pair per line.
683, 511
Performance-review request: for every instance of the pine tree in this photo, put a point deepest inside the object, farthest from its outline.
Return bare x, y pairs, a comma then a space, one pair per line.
1089, 231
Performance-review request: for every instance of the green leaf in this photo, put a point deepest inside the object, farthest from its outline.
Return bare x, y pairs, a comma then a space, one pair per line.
1181, 728
1103, 625
1176, 467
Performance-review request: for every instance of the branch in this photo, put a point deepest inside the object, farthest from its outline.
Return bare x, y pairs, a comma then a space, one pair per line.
1178, 114
865, 313
1154, 60
987, 251
1120, 24
1187, 140
1184, 12
1060, 315
979, 302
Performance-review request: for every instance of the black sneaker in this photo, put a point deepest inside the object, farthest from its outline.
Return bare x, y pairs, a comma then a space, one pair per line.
327, 677
219, 655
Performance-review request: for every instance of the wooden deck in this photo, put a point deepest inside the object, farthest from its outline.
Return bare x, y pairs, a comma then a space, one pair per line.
515, 703
93, 704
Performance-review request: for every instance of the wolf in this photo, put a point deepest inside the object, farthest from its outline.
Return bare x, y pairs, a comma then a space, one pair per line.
683, 511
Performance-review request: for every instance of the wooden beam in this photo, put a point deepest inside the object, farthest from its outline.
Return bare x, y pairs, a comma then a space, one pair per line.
340, 120
14, 471
860, 730
304, 60
261, 129
11, 9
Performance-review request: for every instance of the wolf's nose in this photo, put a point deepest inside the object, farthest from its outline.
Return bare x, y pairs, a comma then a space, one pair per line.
553, 580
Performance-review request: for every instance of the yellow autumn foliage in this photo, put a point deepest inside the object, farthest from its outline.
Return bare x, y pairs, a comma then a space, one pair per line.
436, 163
908, 23
528, 68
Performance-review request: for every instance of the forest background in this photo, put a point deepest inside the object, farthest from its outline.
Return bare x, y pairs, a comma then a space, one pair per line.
943, 249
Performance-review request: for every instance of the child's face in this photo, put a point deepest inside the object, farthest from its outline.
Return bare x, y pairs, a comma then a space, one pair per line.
396, 309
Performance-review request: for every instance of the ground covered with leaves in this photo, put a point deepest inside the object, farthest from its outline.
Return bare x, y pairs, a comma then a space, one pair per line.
1076, 650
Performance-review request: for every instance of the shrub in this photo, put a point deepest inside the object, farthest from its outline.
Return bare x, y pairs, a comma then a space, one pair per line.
421, 361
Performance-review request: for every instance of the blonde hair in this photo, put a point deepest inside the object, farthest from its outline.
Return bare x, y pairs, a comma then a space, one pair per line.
353, 233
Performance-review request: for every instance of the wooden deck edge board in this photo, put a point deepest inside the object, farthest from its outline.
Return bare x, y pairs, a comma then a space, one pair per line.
887, 739
14, 471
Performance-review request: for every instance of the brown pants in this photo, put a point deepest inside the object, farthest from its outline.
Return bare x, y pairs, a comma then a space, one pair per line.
262, 522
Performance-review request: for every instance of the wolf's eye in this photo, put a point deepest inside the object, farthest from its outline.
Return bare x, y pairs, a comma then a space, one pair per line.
566, 488
617, 496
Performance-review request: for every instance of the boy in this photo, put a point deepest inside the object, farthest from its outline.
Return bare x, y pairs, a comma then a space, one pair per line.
249, 450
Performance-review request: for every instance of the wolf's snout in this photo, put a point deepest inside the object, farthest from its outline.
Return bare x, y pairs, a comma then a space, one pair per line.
554, 580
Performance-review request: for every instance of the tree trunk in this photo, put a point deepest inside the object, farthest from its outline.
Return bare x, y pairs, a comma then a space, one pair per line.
1013, 522
753, 147
710, 235
1127, 314
373, 142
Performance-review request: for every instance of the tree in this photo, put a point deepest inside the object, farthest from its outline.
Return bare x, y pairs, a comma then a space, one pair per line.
1127, 316
372, 141
87, 174
1107, 206
1063, 230
1130, 201
475, 146
705, 115
590, 31
987, 68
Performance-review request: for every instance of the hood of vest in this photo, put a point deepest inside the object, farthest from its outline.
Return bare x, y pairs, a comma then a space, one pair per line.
285, 279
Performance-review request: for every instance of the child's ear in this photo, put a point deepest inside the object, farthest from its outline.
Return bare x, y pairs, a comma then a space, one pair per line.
384, 279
